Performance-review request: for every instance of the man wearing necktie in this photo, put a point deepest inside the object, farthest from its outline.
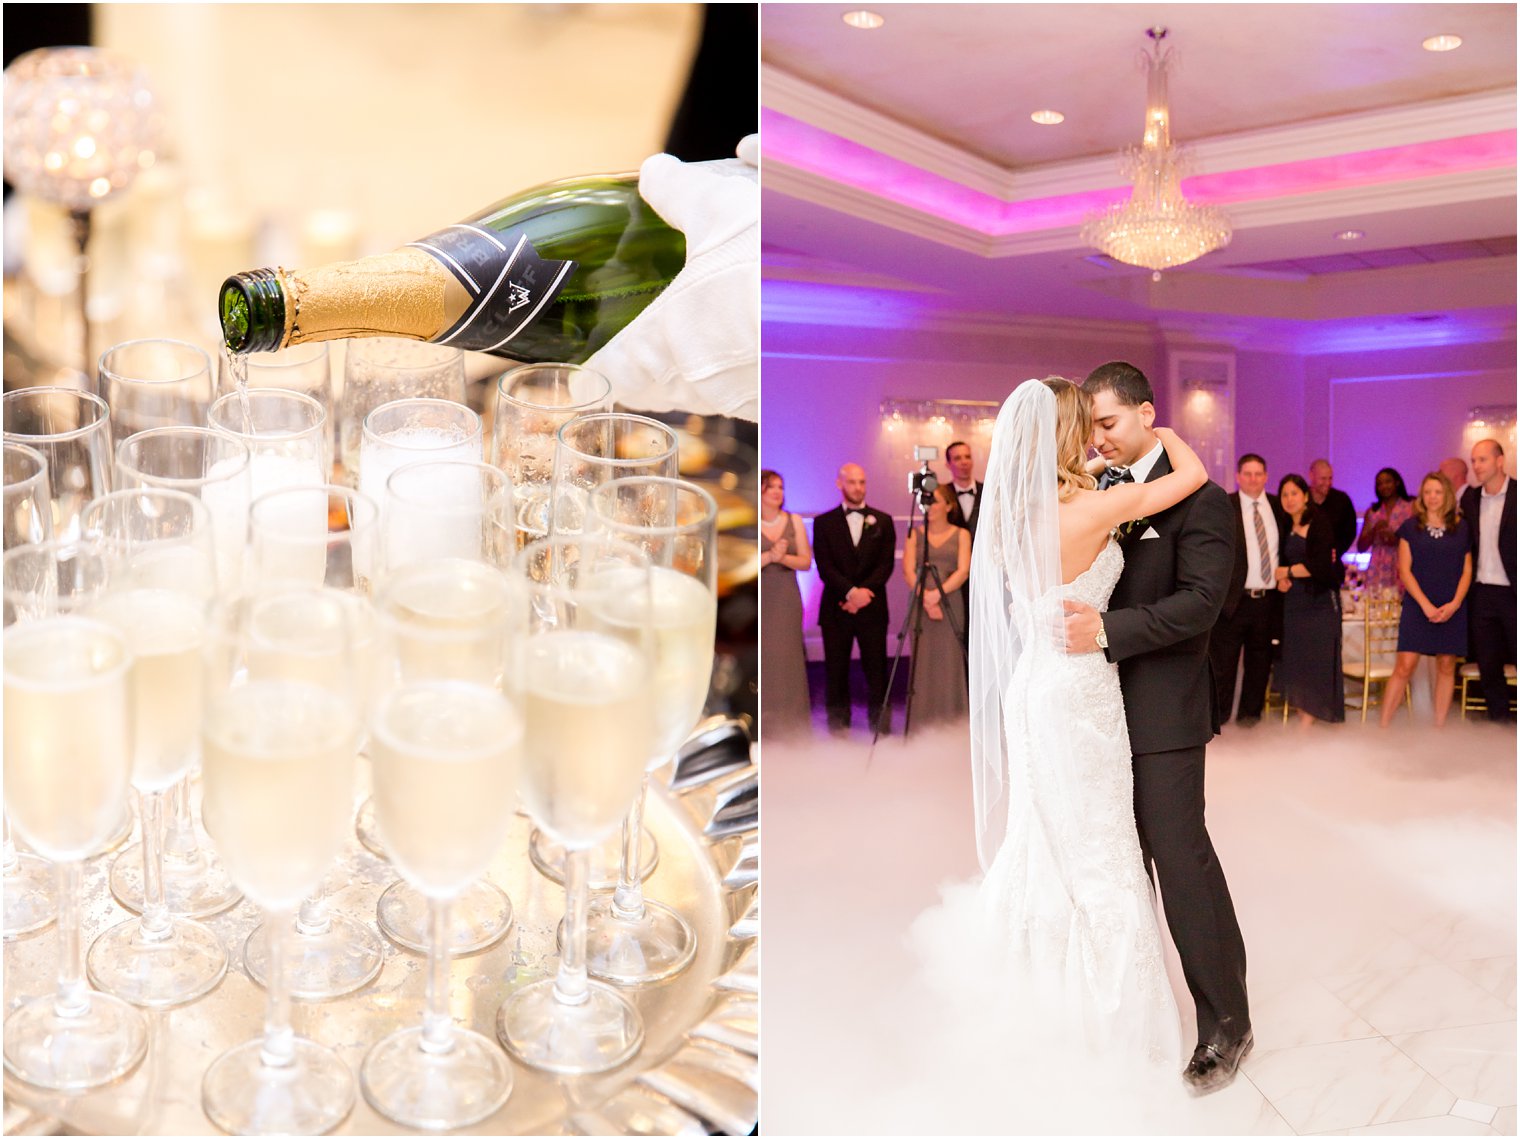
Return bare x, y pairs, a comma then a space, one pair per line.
855, 548
1251, 619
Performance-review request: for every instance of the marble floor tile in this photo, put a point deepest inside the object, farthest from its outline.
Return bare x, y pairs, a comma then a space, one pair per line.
1352, 1083
1464, 937
1492, 974
1476, 1062
1477, 1112
1292, 1014
1418, 999
1437, 1125
1504, 1121
1365, 947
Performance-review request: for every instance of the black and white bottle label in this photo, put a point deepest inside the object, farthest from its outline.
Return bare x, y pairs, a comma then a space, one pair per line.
508, 282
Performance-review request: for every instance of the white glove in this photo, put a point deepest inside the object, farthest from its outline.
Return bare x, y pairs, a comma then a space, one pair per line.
697, 347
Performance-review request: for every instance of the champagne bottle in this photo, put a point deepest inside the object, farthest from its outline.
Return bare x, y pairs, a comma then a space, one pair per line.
550, 274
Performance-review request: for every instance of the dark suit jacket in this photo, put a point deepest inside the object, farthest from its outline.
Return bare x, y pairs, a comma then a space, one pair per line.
1472, 510
1245, 548
1321, 558
843, 565
1160, 615
976, 508
1341, 515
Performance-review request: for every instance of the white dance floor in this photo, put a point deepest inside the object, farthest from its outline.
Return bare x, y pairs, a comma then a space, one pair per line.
1374, 875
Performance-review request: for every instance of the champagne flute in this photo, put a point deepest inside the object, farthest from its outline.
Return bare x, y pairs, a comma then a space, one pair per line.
444, 618
304, 368
533, 402
588, 451
279, 742
449, 509
285, 433
589, 727
212, 467
67, 767
155, 383
160, 578
28, 520
407, 431
631, 940
446, 754
331, 953
380, 369
71, 429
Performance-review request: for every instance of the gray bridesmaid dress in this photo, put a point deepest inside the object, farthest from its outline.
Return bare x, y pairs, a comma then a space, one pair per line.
939, 677
786, 712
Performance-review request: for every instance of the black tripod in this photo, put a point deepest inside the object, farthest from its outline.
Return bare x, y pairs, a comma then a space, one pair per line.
917, 520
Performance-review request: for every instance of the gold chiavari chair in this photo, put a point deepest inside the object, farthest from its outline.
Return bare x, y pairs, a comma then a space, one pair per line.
1380, 644
1471, 693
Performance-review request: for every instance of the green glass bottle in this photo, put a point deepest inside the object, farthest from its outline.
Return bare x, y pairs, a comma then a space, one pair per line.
550, 274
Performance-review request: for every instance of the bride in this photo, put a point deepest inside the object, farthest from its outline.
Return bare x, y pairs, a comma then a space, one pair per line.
1065, 900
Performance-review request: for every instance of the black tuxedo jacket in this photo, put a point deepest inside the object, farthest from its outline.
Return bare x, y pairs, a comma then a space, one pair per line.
976, 507
1160, 615
1472, 510
843, 565
1245, 548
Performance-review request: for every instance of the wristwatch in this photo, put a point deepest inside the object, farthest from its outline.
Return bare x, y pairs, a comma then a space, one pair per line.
1102, 637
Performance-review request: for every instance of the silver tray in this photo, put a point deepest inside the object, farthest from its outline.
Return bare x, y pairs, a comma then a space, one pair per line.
698, 1071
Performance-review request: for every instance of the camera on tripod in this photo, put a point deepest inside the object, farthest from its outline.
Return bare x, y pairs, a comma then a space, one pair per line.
923, 482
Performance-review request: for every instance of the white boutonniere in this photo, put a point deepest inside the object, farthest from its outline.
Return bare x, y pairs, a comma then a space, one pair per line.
870, 520
1128, 528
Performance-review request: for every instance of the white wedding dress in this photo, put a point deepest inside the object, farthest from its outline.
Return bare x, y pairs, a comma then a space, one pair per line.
1066, 897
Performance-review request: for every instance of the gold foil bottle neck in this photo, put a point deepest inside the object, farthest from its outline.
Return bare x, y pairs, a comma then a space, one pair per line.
405, 293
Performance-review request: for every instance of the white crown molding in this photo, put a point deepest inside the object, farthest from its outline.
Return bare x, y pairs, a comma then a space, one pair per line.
1432, 121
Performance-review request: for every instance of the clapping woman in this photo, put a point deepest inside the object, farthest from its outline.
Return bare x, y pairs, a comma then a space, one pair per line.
1380, 531
1435, 565
1309, 575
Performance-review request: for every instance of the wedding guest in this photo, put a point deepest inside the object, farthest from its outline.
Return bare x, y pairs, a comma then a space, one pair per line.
1251, 616
1455, 469
1380, 532
968, 490
1435, 565
1334, 504
939, 659
1489, 509
785, 708
854, 545
1309, 576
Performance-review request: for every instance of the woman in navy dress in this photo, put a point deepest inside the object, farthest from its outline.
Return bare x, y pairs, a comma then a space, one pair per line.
1435, 565
1310, 575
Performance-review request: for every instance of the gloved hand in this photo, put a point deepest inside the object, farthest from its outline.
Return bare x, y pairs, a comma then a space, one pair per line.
697, 348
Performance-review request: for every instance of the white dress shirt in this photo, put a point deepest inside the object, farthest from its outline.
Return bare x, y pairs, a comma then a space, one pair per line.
1141, 468
1490, 514
966, 496
1253, 551
856, 523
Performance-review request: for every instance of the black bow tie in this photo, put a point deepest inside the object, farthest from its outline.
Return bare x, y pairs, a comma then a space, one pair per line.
854, 510
1117, 475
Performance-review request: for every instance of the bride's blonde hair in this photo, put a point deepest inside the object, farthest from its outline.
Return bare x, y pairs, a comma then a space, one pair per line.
1073, 431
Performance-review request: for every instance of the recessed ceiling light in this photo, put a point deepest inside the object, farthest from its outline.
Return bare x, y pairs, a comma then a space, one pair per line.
1351, 235
1442, 43
1048, 118
860, 18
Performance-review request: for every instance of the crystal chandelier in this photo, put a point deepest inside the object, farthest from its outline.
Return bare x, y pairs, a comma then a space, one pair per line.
1158, 227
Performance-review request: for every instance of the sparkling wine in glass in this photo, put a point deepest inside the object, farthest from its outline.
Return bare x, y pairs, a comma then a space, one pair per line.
67, 770
589, 726
632, 940
279, 741
378, 370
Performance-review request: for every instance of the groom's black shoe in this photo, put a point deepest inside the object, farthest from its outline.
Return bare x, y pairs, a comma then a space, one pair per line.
1213, 1066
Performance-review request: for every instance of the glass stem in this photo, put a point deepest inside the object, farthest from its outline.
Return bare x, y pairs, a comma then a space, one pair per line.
180, 843
311, 918
156, 923
570, 984
628, 898
73, 998
437, 1024
278, 1050
12, 860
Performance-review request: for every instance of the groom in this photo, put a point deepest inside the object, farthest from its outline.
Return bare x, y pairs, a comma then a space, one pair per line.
1176, 570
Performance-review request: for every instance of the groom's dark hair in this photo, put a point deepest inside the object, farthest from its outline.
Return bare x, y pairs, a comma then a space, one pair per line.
1127, 382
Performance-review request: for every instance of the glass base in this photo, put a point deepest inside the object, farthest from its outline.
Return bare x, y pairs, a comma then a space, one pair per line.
185, 965
597, 1035
308, 1096
193, 888
652, 948
367, 832
124, 828
478, 918
96, 1047
29, 904
319, 966
435, 1092
548, 857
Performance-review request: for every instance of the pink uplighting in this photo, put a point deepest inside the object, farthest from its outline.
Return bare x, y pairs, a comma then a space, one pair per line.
794, 143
